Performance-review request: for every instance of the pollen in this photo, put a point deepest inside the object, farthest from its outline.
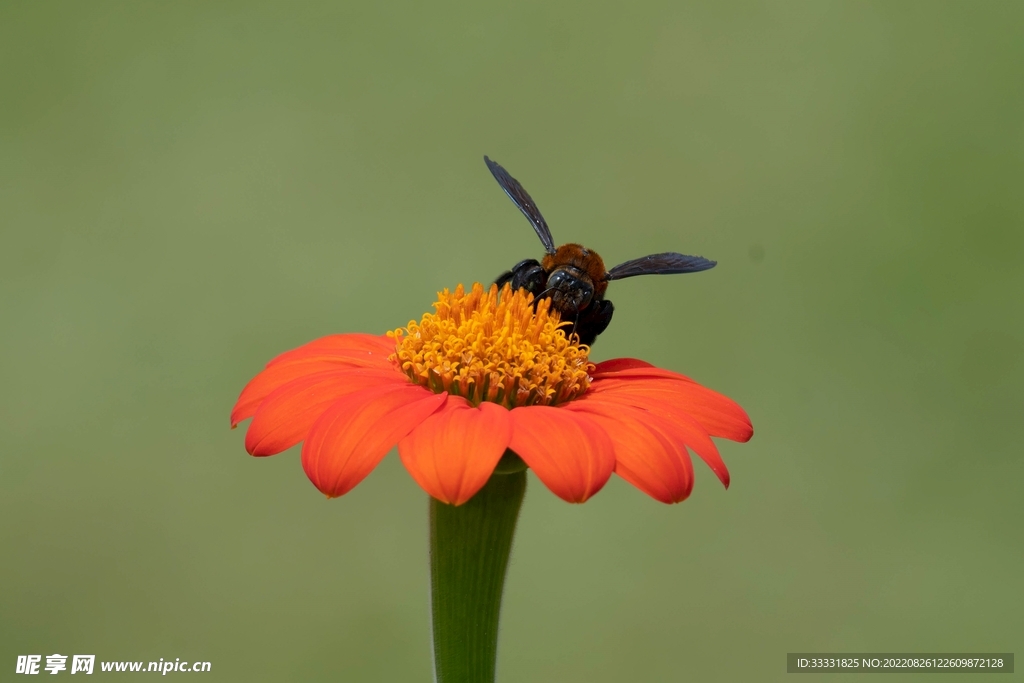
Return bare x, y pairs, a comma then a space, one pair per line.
493, 346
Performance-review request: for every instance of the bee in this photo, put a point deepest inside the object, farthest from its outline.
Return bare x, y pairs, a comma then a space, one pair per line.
574, 277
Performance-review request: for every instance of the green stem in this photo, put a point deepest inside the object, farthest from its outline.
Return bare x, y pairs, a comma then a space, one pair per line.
469, 550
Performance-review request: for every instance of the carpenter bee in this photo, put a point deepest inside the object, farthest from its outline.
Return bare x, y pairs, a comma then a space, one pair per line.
574, 277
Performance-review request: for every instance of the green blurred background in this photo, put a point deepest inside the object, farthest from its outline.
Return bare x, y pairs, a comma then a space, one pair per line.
187, 189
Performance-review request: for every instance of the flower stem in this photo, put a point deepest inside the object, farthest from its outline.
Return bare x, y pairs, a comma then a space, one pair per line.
469, 550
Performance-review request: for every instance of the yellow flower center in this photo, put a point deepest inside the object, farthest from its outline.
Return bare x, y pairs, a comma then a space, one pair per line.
489, 347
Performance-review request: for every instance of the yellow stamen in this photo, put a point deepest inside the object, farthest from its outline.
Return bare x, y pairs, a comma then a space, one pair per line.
486, 347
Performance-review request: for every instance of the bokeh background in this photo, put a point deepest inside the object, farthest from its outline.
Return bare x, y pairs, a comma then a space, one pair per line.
187, 189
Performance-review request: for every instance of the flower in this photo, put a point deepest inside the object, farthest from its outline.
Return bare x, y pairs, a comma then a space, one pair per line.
486, 372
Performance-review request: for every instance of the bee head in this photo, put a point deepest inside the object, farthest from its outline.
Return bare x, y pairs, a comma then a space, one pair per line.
571, 290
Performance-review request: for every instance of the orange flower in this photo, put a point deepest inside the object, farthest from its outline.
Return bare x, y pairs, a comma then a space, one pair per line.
485, 373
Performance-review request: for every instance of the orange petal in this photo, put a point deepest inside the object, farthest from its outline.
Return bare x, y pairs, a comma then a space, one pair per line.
570, 453
377, 346
285, 416
632, 370
718, 414
646, 457
453, 452
671, 420
355, 433
617, 364
280, 372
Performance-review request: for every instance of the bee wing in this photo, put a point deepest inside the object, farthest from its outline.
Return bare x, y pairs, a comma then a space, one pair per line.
521, 199
660, 264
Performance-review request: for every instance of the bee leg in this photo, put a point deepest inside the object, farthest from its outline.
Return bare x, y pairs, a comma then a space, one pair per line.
529, 275
526, 275
594, 320
504, 279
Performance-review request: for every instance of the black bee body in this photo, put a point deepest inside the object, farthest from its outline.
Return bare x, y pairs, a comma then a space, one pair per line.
572, 295
574, 277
